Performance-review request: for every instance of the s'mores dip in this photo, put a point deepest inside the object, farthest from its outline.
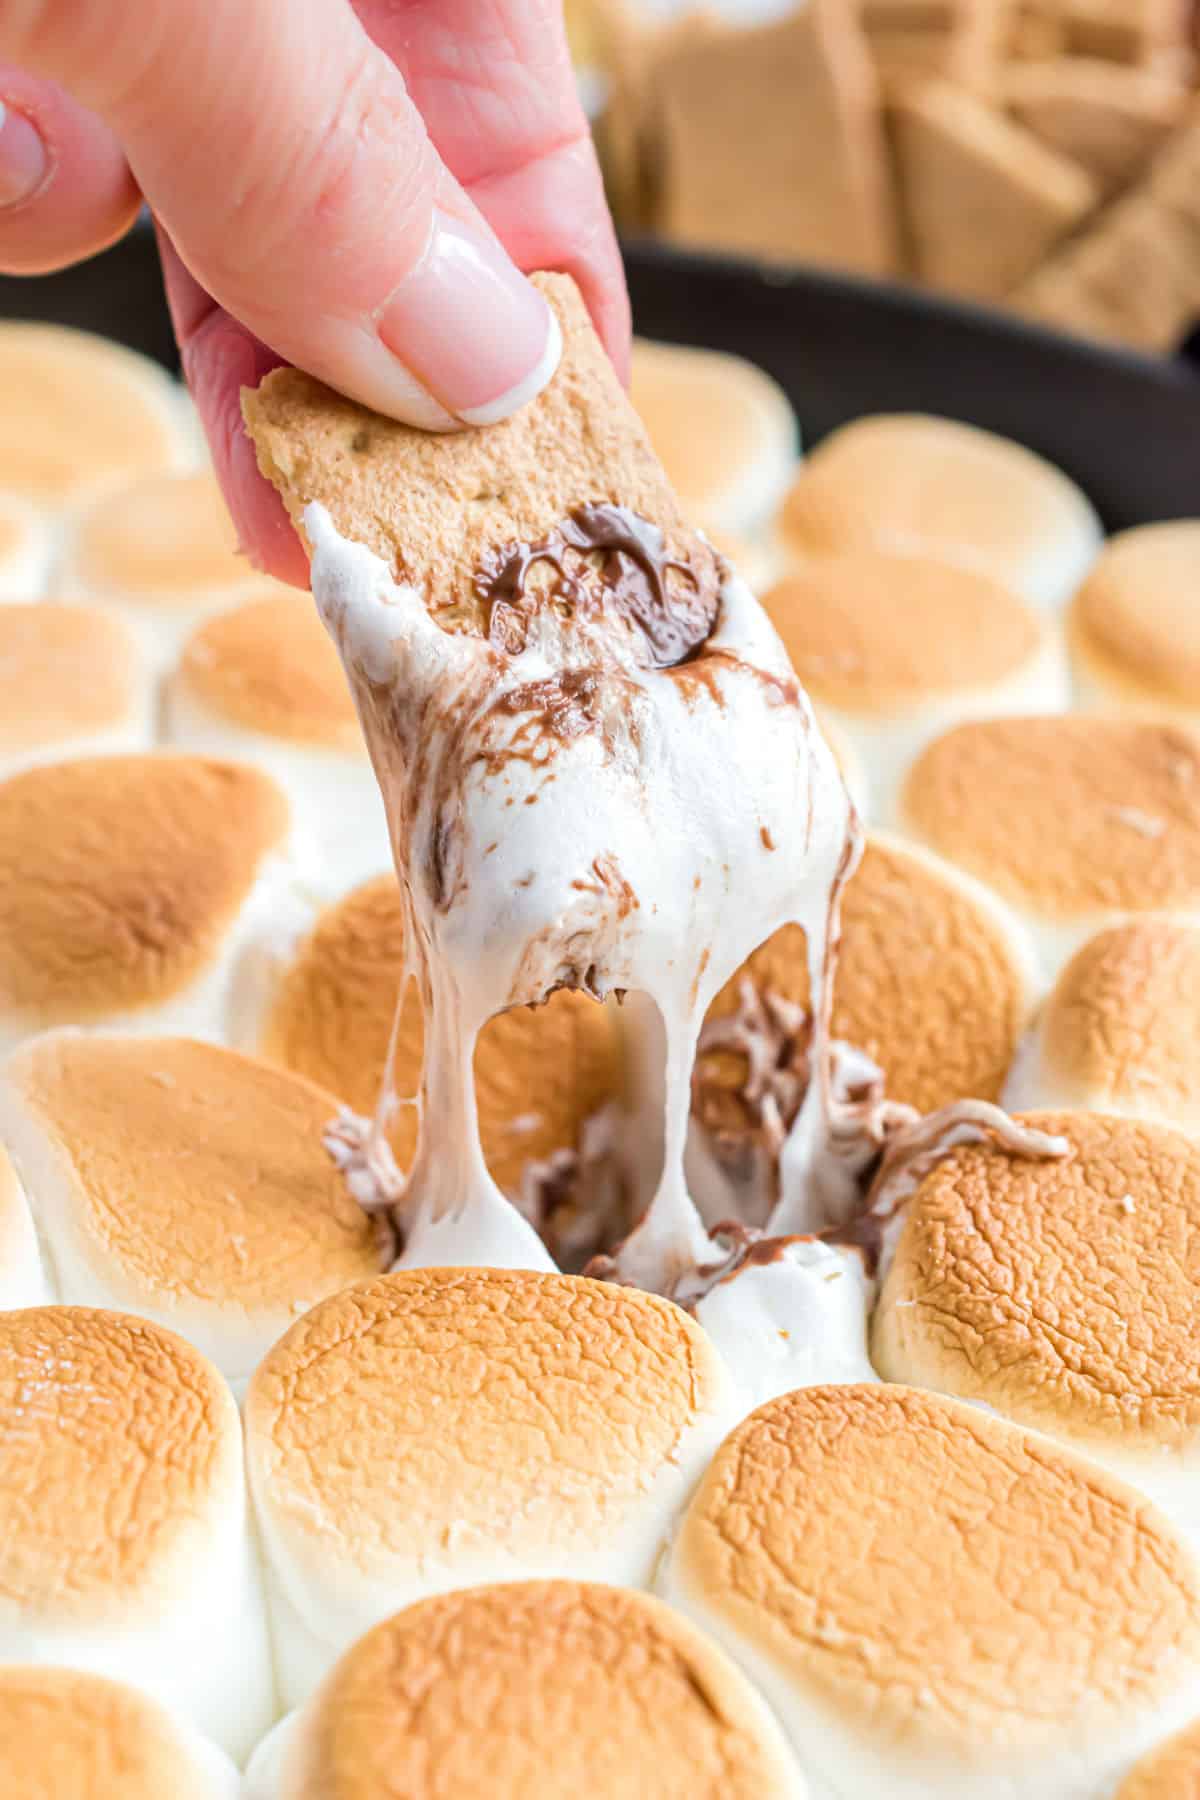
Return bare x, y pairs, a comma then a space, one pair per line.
493, 1424
914, 483
1118, 1032
881, 1563
1062, 1295
633, 1697
66, 1733
549, 1081
682, 1284
262, 683
128, 887
72, 683
894, 648
184, 1182
1134, 631
126, 1546
1077, 821
162, 553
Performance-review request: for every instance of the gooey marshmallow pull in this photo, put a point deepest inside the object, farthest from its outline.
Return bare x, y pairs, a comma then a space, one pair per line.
599, 772
576, 813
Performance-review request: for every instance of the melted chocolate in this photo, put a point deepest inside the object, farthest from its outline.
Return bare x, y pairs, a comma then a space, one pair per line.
631, 581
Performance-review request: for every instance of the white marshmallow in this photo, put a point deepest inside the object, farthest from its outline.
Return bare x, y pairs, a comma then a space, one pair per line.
26, 549
22, 1277
797, 1321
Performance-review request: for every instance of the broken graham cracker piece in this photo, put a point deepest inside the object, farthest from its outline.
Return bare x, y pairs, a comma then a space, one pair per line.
771, 143
1106, 117
985, 201
961, 40
1134, 276
1122, 31
627, 133
439, 510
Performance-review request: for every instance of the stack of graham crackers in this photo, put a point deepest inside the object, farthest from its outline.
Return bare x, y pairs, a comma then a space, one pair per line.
1040, 154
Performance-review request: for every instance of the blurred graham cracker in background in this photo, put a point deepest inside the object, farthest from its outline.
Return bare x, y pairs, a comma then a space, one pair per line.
1134, 276
1107, 118
1032, 153
1122, 31
961, 164
771, 141
959, 40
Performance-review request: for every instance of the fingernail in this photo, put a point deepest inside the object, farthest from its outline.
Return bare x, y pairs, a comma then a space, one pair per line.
470, 327
24, 163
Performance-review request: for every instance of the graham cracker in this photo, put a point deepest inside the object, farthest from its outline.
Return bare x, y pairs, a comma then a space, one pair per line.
434, 507
984, 199
773, 146
1109, 119
1123, 31
1134, 276
628, 131
960, 40
1034, 34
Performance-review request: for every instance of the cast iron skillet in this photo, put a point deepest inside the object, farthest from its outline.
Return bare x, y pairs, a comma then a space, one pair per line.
1125, 427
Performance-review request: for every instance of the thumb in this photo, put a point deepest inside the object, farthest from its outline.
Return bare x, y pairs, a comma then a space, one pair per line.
295, 177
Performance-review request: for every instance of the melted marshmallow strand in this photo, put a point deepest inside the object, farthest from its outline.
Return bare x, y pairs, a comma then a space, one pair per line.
579, 813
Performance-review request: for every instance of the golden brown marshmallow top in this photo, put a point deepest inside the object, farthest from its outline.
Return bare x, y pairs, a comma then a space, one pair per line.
70, 1734
119, 1444
885, 1550
555, 1687
238, 1200
1070, 817
120, 875
534, 1410
874, 632
1063, 1293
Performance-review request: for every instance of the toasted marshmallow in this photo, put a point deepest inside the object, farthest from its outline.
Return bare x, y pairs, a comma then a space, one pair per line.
455, 1465
163, 551
935, 1602
558, 1688
124, 1545
1120, 1031
25, 547
1076, 822
934, 983
896, 648
920, 484
22, 1280
548, 1080
241, 1219
129, 886
723, 430
1171, 1772
1134, 627
264, 683
1063, 1295
71, 684
81, 412
65, 1735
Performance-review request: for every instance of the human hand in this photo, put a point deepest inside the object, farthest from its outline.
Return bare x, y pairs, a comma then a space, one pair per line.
333, 182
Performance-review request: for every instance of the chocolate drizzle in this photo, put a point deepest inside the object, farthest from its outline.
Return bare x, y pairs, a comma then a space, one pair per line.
606, 559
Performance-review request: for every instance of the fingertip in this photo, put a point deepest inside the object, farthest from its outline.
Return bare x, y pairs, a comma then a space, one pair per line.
66, 190
220, 358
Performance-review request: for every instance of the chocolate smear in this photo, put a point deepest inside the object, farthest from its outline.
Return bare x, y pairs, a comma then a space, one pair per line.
609, 560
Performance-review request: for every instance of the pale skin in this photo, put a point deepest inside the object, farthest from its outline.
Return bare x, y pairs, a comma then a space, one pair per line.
348, 185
